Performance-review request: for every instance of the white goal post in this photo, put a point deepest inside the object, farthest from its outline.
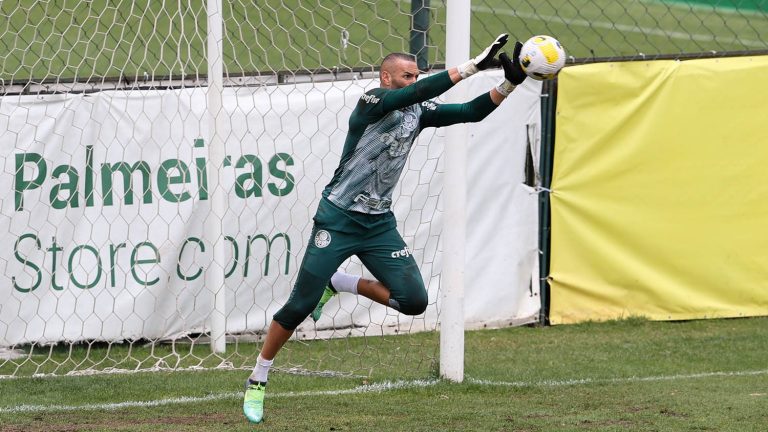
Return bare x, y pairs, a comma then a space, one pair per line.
455, 191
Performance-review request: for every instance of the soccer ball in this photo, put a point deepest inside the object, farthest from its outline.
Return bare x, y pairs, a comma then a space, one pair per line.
542, 57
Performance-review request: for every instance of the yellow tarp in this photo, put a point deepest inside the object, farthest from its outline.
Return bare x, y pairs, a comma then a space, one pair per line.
660, 190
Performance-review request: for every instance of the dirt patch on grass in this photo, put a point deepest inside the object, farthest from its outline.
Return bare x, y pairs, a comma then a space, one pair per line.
119, 424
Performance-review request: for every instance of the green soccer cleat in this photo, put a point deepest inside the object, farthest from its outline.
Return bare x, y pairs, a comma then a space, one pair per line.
327, 295
253, 403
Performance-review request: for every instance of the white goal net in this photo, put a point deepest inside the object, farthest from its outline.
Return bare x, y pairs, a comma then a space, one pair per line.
149, 215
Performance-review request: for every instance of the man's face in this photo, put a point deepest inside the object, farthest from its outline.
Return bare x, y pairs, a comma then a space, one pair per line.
402, 73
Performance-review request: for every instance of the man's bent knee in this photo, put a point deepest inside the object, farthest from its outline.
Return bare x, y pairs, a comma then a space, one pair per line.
292, 314
304, 297
414, 304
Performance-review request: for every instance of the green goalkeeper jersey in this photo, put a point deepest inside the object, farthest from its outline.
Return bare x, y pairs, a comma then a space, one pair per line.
382, 129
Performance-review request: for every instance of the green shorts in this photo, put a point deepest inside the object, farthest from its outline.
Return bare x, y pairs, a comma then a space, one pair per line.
338, 235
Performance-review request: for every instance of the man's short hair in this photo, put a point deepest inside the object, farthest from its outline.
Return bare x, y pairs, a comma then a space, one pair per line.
390, 58
398, 56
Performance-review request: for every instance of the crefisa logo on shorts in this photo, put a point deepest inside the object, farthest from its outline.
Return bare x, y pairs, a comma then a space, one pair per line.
405, 252
322, 238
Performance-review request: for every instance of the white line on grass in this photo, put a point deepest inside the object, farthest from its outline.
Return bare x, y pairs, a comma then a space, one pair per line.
370, 388
581, 381
619, 27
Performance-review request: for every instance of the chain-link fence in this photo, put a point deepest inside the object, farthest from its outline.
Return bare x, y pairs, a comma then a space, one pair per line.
86, 41
609, 29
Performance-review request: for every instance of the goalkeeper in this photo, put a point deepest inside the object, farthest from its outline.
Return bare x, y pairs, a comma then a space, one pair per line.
354, 216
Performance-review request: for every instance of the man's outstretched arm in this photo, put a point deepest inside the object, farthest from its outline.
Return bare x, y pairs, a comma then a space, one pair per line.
436, 115
438, 84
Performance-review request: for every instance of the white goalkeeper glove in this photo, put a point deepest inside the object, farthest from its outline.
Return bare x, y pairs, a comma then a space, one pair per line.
513, 72
485, 60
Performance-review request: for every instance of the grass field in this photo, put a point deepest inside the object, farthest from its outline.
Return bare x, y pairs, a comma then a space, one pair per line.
45, 40
631, 375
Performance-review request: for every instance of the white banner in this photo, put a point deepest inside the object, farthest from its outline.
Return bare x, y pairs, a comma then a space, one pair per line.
104, 198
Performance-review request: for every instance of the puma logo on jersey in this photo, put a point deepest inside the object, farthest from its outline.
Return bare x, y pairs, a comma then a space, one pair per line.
405, 252
370, 98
